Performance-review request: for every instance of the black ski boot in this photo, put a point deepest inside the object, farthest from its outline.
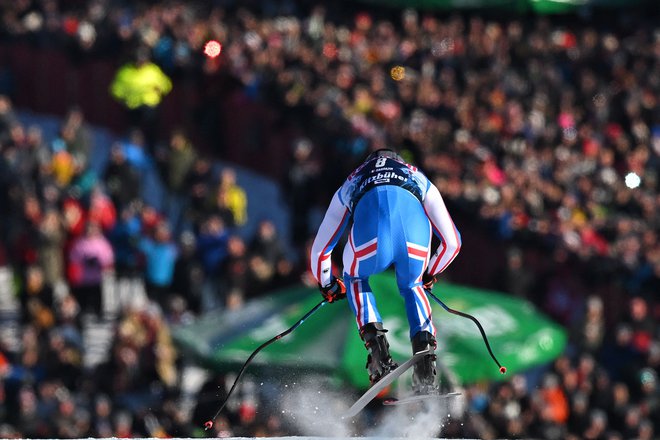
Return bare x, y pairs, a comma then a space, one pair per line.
424, 371
379, 361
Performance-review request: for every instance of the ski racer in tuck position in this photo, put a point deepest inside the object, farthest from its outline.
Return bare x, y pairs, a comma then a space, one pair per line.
393, 207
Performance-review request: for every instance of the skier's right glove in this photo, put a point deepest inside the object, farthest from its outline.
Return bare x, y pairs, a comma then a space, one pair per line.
428, 281
334, 291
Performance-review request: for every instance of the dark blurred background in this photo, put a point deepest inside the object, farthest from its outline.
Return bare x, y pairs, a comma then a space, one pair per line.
161, 160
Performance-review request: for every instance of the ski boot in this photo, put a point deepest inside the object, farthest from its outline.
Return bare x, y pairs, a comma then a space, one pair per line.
424, 371
379, 361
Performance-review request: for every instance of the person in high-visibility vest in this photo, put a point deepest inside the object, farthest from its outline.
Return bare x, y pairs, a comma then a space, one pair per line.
141, 85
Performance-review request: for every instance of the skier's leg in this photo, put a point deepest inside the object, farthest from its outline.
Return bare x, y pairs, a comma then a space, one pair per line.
422, 330
379, 360
364, 255
361, 300
424, 371
411, 261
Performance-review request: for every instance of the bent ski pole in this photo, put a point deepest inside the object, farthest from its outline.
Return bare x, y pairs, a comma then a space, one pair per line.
209, 424
475, 320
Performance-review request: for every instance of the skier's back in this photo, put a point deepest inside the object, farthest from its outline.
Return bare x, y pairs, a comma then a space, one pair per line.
393, 208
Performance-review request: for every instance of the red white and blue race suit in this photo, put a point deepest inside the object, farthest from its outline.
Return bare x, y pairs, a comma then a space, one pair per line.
393, 207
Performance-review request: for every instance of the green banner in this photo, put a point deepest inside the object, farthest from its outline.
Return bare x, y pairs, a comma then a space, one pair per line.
328, 341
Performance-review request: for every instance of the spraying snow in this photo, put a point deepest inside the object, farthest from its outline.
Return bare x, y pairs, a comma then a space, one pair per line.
317, 411
410, 421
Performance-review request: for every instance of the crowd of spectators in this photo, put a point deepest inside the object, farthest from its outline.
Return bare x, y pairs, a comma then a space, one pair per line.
545, 132
66, 230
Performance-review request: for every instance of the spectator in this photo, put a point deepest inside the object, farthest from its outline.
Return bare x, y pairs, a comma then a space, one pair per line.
590, 331
233, 196
134, 150
101, 418
64, 366
7, 117
646, 430
90, 257
267, 243
25, 240
228, 200
642, 325
63, 166
554, 411
74, 214
237, 270
649, 394
140, 85
123, 424
212, 249
299, 184
122, 180
619, 356
101, 210
620, 403
50, 247
29, 423
175, 164
124, 238
198, 185
67, 312
37, 300
597, 425
130, 370
77, 135
517, 279
269, 264
188, 277
578, 420
160, 258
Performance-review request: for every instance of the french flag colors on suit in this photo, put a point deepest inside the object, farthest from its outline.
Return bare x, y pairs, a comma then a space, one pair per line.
393, 209
362, 252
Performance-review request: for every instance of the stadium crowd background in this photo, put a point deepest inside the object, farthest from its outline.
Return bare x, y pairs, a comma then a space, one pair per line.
528, 125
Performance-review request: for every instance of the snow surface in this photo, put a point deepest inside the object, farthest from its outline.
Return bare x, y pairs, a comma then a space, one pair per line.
278, 438
317, 412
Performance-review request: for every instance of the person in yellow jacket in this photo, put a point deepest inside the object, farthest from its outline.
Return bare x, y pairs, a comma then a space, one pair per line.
141, 85
234, 196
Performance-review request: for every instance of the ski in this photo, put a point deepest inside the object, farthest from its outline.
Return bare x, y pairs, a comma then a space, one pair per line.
379, 386
418, 398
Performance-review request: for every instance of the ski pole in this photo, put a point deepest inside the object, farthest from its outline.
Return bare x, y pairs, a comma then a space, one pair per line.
475, 320
209, 424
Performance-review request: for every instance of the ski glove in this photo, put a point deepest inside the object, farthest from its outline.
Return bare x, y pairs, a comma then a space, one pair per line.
334, 291
428, 281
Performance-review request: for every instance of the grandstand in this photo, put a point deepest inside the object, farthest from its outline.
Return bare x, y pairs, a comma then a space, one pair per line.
195, 184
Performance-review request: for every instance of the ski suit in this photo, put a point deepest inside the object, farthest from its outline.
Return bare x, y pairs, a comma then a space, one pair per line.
393, 208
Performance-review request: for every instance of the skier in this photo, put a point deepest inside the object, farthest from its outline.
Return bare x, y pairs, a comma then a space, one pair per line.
393, 207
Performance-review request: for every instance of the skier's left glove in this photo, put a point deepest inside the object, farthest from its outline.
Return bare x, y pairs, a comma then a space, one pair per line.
334, 291
428, 281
